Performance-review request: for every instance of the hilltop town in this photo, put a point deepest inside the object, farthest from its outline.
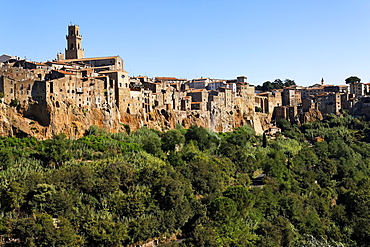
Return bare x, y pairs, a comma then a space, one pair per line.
71, 93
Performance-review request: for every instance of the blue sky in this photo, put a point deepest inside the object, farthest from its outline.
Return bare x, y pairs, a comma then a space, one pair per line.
262, 39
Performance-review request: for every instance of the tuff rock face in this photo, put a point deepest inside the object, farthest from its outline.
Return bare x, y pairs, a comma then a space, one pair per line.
44, 119
312, 115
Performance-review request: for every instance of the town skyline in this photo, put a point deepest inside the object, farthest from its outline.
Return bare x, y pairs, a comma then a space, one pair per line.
102, 85
300, 41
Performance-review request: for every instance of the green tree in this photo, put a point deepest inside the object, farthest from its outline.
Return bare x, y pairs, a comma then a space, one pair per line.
289, 83
352, 79
243, 198
264, 140
202, 138
222, 209
172, 139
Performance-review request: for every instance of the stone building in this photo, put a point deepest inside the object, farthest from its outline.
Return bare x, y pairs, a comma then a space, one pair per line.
199, 83
74, 46
215, 85
84, 82
287, 112
358, 89
291, 96
328, 103
199, 99
267, 101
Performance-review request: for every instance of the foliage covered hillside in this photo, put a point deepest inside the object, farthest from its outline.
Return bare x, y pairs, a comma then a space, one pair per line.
118, 189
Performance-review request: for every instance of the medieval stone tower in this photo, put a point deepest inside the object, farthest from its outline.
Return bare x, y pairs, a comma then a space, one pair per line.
74, 48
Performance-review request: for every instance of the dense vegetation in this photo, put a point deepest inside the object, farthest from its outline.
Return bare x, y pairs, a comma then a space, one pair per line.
277, 84
119, 189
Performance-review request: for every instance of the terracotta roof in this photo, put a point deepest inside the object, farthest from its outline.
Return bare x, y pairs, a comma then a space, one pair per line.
65, 72
196, 91
196, 102
59, 62
167, 78
37, 63
109, 71
89, 59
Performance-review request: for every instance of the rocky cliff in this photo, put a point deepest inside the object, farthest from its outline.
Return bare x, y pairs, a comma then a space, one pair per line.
45, 119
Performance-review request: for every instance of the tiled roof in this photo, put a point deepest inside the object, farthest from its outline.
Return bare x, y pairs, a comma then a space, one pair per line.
109, 71
64, 72
167, 78
59, 62
89, 59
196, 91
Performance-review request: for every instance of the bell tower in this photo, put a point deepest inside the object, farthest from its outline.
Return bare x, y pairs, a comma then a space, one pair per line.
74, 48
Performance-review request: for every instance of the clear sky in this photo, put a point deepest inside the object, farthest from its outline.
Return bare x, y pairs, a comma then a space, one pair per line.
303, 40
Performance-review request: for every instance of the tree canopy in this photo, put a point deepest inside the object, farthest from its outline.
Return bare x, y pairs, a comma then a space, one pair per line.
207, 189
352, 79
277, 84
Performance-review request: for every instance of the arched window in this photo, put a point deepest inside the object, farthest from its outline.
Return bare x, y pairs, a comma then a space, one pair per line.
72, 47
